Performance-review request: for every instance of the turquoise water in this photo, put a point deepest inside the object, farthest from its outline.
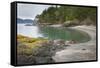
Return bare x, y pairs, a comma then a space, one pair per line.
64, 33
52, 33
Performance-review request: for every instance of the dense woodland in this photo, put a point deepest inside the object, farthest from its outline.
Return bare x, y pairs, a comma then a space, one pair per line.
62, 14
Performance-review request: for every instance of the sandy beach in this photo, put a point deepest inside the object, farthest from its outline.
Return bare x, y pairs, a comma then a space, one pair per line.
80, 51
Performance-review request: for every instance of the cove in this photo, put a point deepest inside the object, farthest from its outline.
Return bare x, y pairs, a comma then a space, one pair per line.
52, 33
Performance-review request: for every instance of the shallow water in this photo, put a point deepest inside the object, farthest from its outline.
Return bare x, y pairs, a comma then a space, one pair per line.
52, 33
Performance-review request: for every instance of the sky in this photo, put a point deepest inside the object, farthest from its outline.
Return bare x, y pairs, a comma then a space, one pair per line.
29, 11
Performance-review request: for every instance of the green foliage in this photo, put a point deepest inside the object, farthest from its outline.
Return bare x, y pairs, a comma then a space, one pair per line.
27, 46
62, 14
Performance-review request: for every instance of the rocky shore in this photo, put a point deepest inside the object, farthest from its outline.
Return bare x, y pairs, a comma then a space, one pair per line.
42, 53
80, 51
38, 51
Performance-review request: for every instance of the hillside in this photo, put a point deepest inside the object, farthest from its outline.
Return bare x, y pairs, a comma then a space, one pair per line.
19, 20
68, 15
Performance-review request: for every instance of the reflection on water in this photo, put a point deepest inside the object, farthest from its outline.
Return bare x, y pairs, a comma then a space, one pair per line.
52, 33
30, 31
65, 34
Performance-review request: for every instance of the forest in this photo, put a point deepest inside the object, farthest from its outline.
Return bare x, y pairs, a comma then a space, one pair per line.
63, 14
69, 35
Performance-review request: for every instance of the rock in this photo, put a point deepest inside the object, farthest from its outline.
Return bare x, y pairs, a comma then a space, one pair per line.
43, 60
58, 42
67, 42
83, 49
71, 23
43, 51
23, 59
70, 42
73, 41
50, 42
87, 21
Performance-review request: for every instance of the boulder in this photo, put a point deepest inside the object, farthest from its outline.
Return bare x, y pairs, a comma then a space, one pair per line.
58, 42
50, 42
70, 42
67, 42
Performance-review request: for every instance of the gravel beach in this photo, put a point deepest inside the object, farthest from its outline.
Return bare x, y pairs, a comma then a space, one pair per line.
79, 51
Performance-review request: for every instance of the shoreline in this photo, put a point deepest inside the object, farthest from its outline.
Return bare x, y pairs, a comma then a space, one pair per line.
80, 51
73, 52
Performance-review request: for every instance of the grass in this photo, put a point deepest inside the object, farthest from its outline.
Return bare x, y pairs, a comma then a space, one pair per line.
28, 46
